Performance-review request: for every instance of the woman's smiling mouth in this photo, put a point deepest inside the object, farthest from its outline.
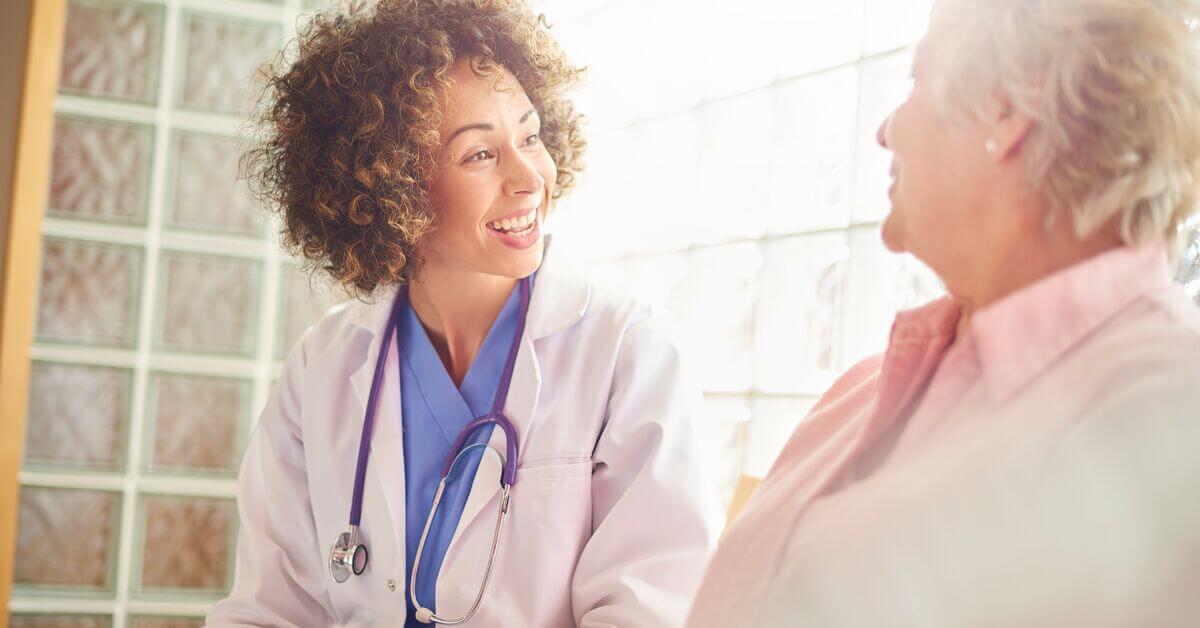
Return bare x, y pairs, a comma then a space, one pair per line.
519, 224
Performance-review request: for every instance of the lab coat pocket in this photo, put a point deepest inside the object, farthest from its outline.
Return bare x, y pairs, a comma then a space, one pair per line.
550, 519
553, 500
552, 475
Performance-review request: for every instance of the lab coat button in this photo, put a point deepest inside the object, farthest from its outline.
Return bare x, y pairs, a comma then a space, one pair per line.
391, 584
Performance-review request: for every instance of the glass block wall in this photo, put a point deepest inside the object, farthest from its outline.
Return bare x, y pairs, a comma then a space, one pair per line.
734, 180
163, 312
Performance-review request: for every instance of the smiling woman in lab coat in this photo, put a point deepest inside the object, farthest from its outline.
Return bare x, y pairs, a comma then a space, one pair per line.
414, 151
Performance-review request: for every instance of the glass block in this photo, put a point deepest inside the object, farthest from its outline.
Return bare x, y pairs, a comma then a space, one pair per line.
735, 156
304, 299
885, 84
726, 417
817, 34
795, 351
194, 423
67, 538
812, 150
100, 171
46, 620
168, 622
208, 304
661, 198
187, 544
771, 425
879, 284
77, 416
660, 282
686, 51
892, 24
616, 71
719, 322
89, 293
1189, 263
596, 227
207, 194
220, 57
112, 50
558, 11
737, 64
324, 5
607, 275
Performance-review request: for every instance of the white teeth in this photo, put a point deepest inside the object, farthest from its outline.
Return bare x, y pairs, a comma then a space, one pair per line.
518, 224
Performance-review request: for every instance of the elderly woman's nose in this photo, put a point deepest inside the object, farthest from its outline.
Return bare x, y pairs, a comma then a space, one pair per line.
881, 132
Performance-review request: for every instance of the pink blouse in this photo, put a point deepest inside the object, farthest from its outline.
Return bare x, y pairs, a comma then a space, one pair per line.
1042, 470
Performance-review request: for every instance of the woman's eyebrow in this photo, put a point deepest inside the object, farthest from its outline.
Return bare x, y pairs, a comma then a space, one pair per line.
480, 126
484, 126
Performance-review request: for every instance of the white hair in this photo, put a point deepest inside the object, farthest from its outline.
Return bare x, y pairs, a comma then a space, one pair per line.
1114, 89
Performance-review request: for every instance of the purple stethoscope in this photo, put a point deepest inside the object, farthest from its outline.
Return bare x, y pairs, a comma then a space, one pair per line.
348, 556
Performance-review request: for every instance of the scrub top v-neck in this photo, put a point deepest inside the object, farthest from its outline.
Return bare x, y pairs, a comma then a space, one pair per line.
433, 412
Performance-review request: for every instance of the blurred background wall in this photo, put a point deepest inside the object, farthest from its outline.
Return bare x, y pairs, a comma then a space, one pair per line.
733, 181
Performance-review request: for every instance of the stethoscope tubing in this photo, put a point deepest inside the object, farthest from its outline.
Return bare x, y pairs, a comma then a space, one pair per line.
364, 443
495, 416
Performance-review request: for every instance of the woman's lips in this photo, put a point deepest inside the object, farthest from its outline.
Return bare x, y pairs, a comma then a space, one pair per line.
520, 239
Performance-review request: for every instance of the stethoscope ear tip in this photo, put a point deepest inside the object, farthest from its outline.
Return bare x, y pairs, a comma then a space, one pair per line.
424, 615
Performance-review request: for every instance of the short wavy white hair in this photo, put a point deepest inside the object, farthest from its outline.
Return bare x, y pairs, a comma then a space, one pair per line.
1114, 89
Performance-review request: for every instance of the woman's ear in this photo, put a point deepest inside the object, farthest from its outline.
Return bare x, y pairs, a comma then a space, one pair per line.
1008, 127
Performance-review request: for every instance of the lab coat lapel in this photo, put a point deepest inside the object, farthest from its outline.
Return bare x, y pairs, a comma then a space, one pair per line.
519, 408
386, 460
560, 298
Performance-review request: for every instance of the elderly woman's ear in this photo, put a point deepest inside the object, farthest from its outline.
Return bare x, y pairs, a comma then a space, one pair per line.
1007, 127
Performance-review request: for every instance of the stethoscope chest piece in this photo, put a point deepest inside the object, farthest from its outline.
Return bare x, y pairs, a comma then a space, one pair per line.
347, 556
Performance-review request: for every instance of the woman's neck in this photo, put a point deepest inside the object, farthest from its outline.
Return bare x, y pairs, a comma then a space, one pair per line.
457, 308
1025, 260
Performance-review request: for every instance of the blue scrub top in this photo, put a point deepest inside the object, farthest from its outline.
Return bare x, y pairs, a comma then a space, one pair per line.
433, 412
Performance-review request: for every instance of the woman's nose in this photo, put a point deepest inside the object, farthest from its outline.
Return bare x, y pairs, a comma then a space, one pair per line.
521, 177
881, 132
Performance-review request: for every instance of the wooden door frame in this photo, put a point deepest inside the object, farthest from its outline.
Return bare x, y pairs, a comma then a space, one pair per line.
31, 35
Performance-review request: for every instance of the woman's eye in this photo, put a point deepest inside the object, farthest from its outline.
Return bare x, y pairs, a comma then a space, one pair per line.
532, 139
479, 156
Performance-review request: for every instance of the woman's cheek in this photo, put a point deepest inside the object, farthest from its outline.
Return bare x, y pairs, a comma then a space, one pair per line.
549, 173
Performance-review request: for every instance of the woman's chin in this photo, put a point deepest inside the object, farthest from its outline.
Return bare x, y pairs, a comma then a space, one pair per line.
517, 264
890, 233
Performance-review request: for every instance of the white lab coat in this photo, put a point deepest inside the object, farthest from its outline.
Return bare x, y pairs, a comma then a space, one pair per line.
612, 519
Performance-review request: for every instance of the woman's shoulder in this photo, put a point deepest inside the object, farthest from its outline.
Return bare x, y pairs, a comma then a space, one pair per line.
342, 324
1154, 336
566, 299
632, 319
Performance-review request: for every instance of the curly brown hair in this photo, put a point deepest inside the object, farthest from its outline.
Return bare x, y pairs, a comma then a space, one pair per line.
350, 126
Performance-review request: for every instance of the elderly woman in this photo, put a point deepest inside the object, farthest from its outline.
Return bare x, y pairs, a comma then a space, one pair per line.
1025, 452
482, 438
